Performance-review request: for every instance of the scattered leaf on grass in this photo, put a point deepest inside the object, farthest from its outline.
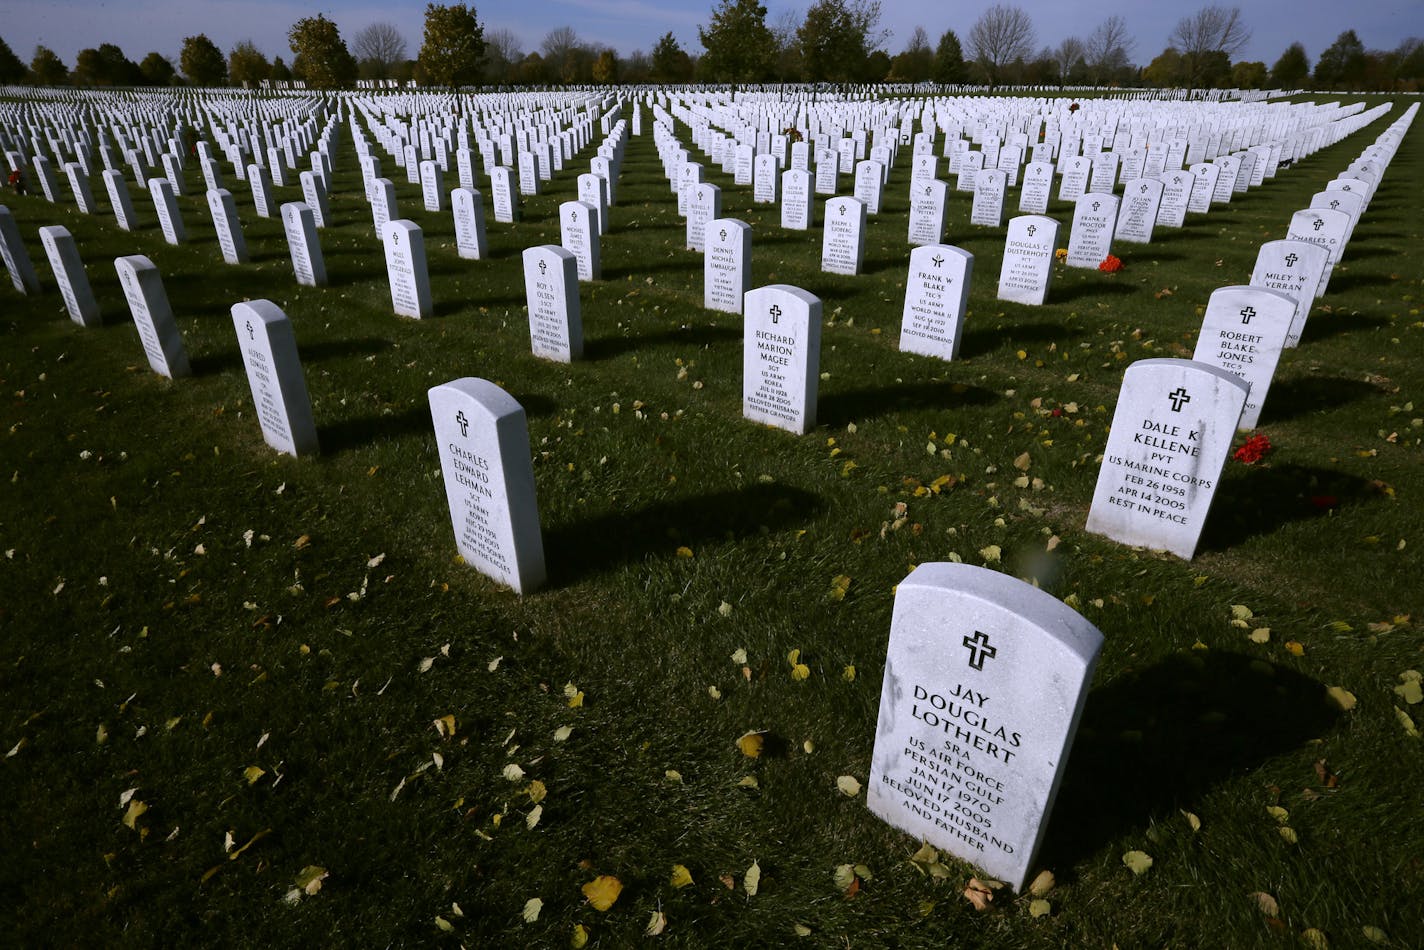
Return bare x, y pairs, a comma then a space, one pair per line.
532, 819
602, 891
978, 893
751, 743
1341, 697
562, 733
681, 876
801, 930
1137, 861
1315, 939
1407, 722
440, 922
1042, 883
310, 879
848, 786
991, 554
843, 876
751, 881
532, 908
536, 791
253, 773
656, 924
1375, 935
1287, 834
1409, 688
513, 772
1278, 813
1038, 907
1192, 820
839, 585
579, 939
1241, 612
445, 726
133, 813
799, 671
1267, 903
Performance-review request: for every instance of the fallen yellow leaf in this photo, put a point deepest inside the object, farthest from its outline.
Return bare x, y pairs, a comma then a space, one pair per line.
751, 743
602, 891
579, 939
848, 786
681, 876
532, 907
751, 881
656, 924
1137, 861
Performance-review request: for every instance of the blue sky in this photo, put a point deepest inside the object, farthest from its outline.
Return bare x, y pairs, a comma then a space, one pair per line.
141, 26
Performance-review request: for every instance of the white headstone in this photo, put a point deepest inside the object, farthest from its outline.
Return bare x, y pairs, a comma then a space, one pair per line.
1295, 269
303, 244
1176, 190
432, 186
1204, 178
1074, 183
593, 192
274, 374
1137, 213
843, 236
165, 203
1037, 188
929, 210
68, 269
1090, 241
483, 439
1243, 333
704, 204
936, 293
766, 186
1027, 271
119, 199
726, 264
551, 291
503, 195
796, 202
1326, 228
578, 233
152, 316
1170, 435
781, 357
223, 209
985, 680
869, 182
469, 212
17, 259
79, 186
406, 269
988, 207
261, 198
314, 196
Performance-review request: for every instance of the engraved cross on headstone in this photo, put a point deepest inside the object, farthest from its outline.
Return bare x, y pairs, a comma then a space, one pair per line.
1246, 314
1291, 258
775, 312
250, 334
979, 649
1318, 223
543, 267
1097, 205
463, 423
937, 260
1179, 398
1032, 229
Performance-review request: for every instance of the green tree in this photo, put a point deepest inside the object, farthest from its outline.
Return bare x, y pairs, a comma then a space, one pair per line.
281, 72
105, 66
1292, 69
202, 61
670, 61
46, 68
12, 68
532, 71
246, 66
605, 67
1204, 39
1165, 71
157, 70
320, 57
739, 45
949, 60
1410, 68
453, 46
1248, 75
875, 68
378, 49
916, 62
836, 38
1342, 65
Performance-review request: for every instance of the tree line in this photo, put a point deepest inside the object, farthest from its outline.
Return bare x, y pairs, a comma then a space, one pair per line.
834, 41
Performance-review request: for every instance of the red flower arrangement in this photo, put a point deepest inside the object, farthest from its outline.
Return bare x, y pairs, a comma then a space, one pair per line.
1111, 264
1254, 449
792, 133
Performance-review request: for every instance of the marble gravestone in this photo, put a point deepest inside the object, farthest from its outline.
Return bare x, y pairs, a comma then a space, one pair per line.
929, 210
988, 204
469, 212
1176, 189
1170, 436
223, 209
79, 187
165, 204
1027, 270
1137, 213
985, 682
17, 259
1294, 268
1324, 227
274, 374
303, 244
936, 293
781, 357
314, 196
704, 203
119, 200
843, 237
796, 203
1037, 188
68, 269
726, 264
152, 316
592, 192
383, 204
1090, 241
261, 198
578, 233
482, 436
432, 186
869, 183
406, 269
504, 195
1243, 332
551, 291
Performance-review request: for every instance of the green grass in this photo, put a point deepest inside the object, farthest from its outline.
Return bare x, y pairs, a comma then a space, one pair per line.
114, 619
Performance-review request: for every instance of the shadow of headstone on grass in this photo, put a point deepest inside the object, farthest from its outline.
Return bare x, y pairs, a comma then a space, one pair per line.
1267, 497
1158, 739
573, 551
838, 408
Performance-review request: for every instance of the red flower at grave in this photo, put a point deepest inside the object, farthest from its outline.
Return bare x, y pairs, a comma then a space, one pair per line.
1111, 264
1254, 449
